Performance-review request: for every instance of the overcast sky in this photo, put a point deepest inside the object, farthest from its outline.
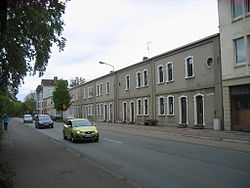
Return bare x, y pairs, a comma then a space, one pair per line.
117, 32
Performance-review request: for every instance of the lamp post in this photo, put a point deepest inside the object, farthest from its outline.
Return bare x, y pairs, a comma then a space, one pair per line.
113, 72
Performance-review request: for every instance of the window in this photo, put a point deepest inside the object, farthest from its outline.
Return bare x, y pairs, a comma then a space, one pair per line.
189, 67
170, 105
237, 8
84, 93
145, 77
160, 74
90, 109
107, 87
210, 62
127, 82
239, 50
139, 107
97, 90
138, 80
101, 109
161, 109
97, 109
169, 68
248, 6
145, 107
100, 89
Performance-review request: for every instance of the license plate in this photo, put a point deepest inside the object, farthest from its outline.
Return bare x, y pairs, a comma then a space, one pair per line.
88, 135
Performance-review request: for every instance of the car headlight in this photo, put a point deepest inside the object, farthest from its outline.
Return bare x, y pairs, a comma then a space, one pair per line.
96, 131
78, 132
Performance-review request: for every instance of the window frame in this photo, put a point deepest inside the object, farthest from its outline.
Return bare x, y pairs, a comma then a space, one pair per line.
138, 79
168, 105
233, 9
145, 81
161, 105
127, 82
160, 74
236, 51
187, 67
107, 87
167, 71
145, 112
139, 108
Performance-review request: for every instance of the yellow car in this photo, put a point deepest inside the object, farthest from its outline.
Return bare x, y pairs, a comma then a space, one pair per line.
80, 129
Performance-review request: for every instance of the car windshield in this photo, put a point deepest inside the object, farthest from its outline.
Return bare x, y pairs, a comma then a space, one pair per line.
81, 123
27, 116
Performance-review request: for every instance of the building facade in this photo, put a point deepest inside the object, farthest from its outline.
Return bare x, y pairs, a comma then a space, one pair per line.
234, 19
179, 88
44, 91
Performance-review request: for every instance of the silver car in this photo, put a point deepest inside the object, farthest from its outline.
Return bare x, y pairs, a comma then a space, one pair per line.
27, 118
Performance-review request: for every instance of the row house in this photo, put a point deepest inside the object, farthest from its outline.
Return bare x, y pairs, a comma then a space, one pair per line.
181, 87
234, 18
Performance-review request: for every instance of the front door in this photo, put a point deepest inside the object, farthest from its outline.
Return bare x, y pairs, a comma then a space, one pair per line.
132, 112
183, 110
105, 112
125, 112
199, 109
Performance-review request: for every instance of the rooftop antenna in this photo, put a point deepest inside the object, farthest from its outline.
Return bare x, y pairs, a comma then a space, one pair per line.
148, 48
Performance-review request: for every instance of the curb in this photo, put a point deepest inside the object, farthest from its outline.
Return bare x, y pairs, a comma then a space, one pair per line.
191, 135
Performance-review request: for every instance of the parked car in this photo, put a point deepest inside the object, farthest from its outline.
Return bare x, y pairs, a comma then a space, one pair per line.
56, 117
27, 118
80, 129
43, 121
69, 117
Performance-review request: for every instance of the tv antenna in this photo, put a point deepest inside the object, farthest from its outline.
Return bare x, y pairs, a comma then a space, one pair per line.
148, 48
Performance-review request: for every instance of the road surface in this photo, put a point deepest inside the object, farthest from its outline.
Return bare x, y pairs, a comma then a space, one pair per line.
153, 162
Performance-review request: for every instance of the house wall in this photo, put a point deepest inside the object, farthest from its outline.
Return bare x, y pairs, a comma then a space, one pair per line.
233, 74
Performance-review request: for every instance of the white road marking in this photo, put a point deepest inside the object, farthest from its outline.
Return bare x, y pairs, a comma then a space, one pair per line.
113, 140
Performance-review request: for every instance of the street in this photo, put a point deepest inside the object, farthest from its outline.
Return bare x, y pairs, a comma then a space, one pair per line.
153, 162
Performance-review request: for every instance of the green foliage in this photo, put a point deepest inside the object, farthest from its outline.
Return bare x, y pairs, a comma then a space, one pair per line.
30, 103
14, 108
76, 81
25, 45
61, 96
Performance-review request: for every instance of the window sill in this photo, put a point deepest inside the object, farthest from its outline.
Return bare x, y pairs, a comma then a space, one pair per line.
237, 19
161, 115
169, 82
190, 77
160, 83
239, 65
170, 115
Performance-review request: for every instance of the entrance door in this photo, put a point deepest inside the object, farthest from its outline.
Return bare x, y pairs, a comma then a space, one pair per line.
199, 110
183, 110
125, 112
105, 112
110, 112
132, 112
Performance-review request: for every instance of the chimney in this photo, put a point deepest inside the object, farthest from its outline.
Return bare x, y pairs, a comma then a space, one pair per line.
144, 58
55, 79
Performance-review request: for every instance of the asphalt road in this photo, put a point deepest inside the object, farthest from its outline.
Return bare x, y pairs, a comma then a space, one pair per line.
152, 162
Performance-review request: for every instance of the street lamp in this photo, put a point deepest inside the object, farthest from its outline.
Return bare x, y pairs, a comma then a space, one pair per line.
114, 107
103, 63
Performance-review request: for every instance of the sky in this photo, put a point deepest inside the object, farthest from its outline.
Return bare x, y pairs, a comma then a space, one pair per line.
121, 33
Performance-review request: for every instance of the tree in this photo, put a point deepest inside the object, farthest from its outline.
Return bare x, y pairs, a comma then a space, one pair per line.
76, 81
30, 102
61, 96
28, 29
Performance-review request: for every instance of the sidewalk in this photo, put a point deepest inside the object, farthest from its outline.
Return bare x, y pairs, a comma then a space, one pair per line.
228, 136
40, 162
